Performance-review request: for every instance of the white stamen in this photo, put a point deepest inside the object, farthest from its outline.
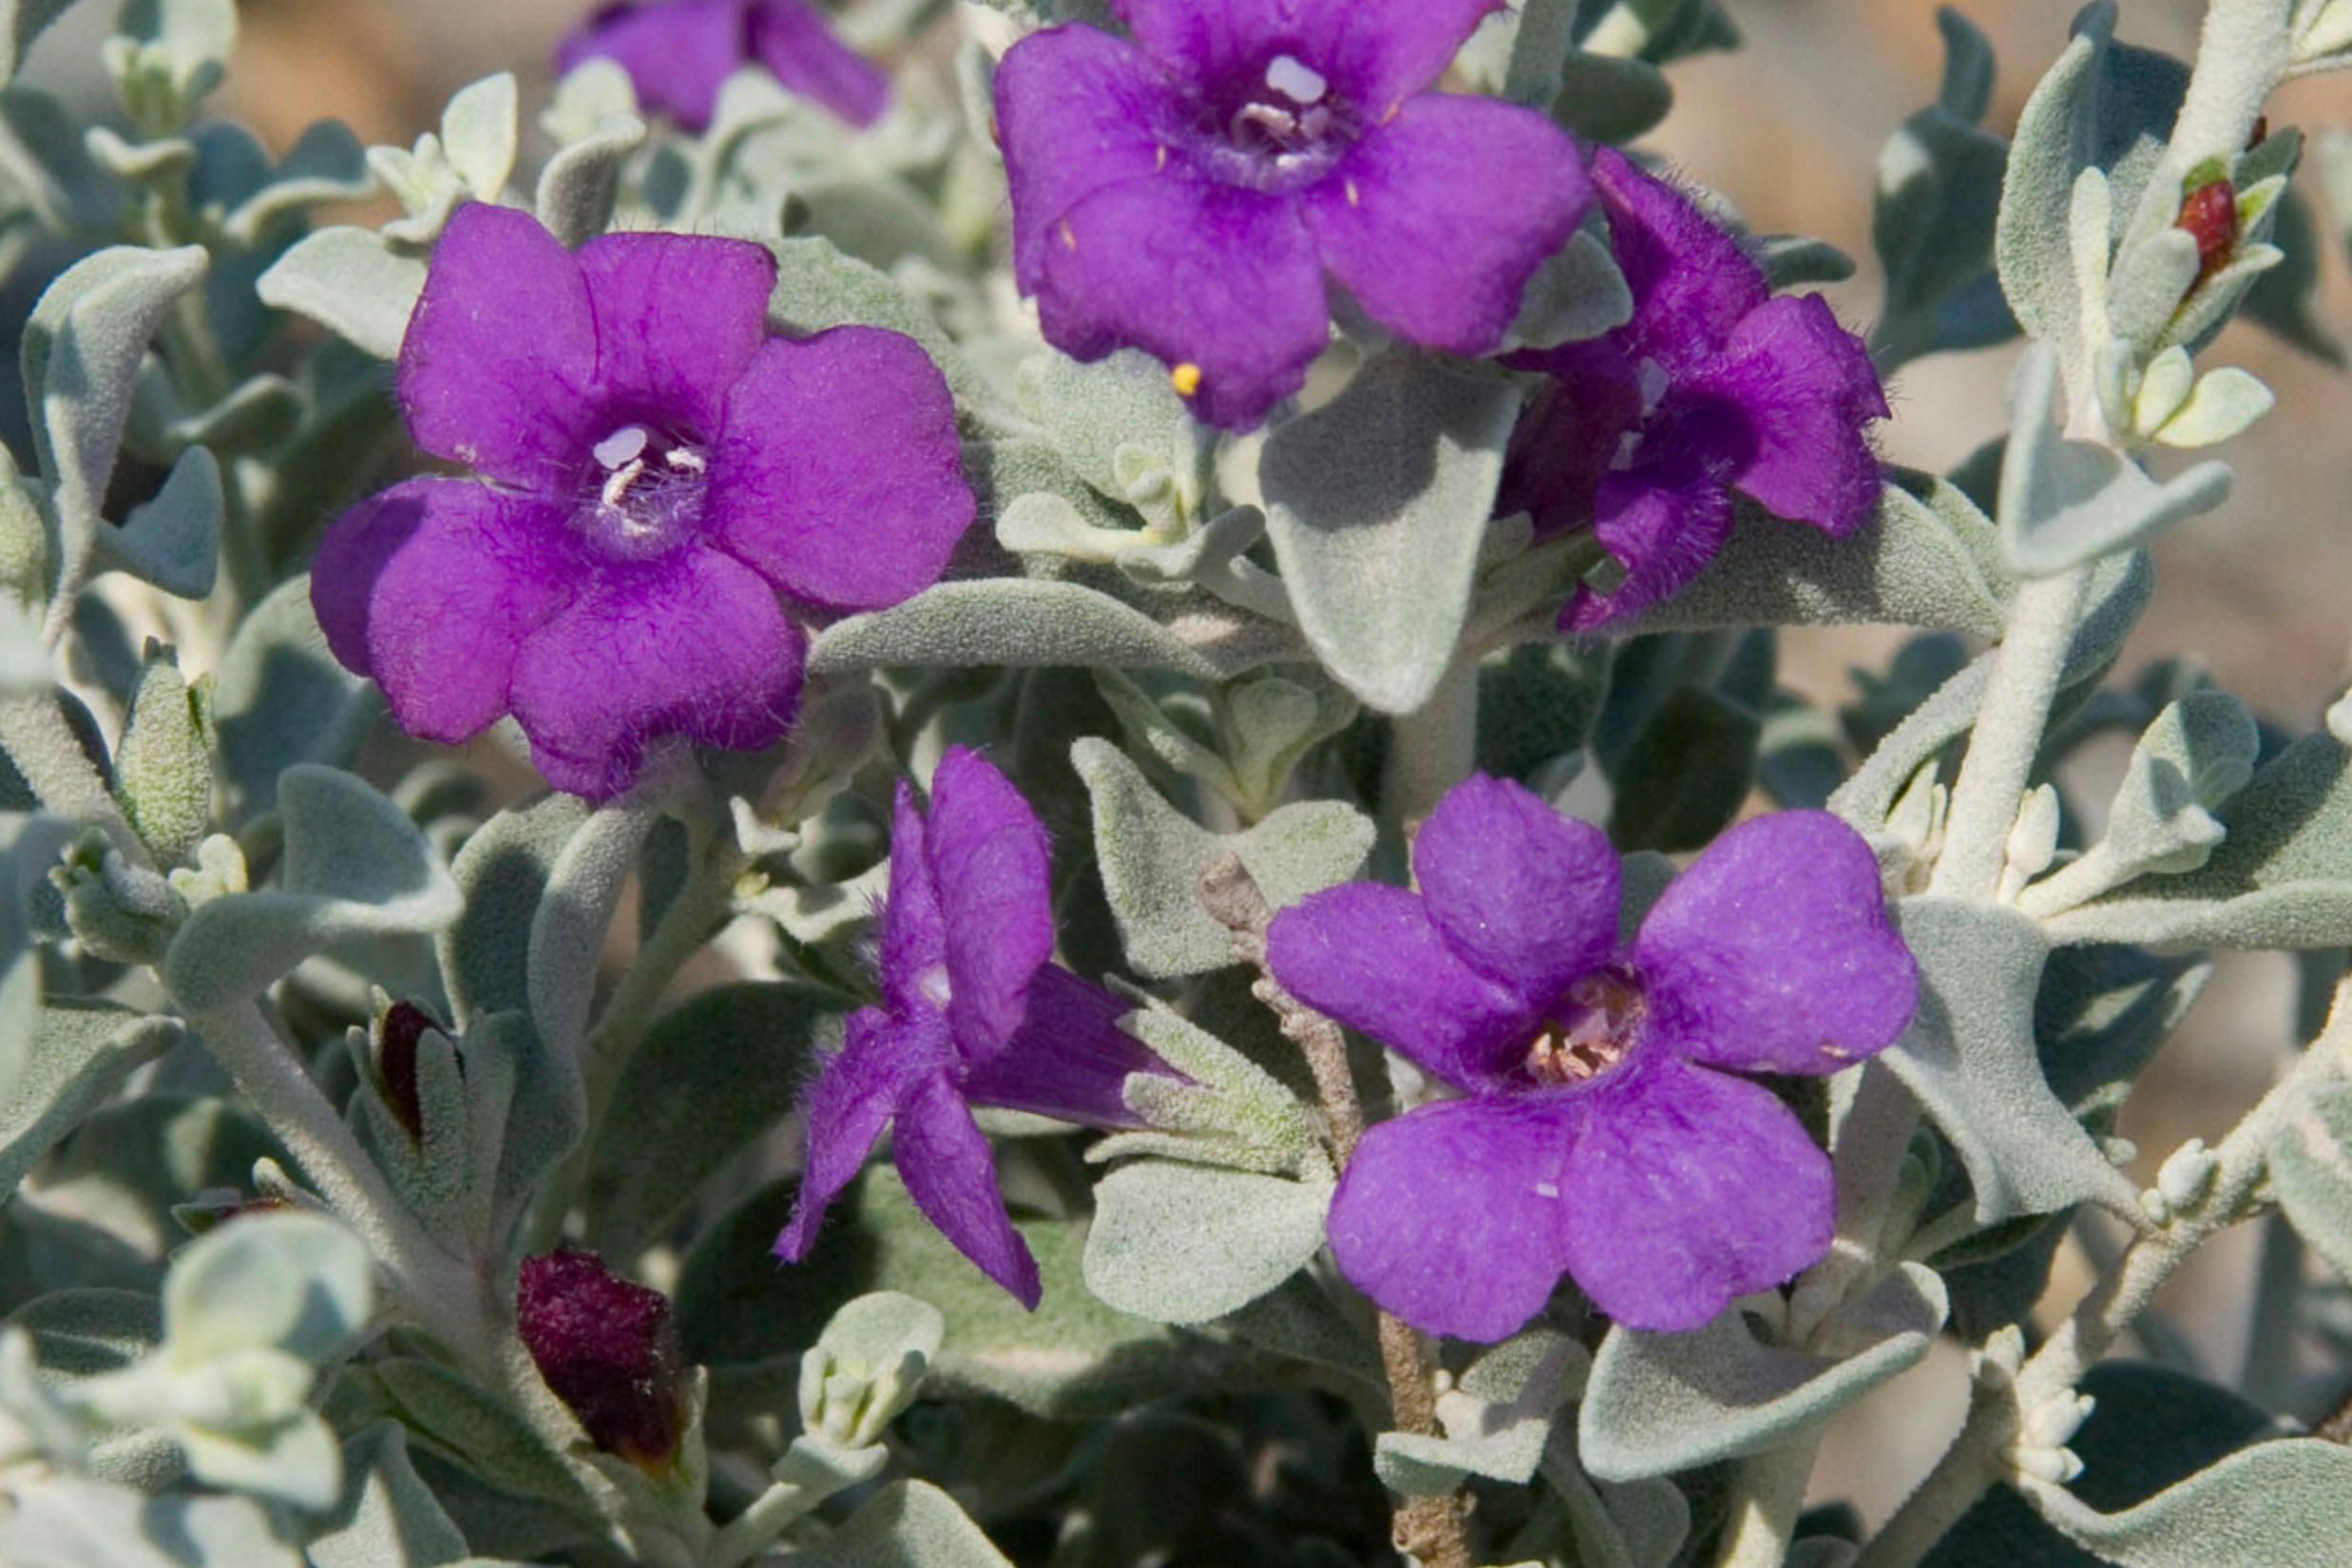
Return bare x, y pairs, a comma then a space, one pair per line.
1651, 377
1547, 1189
623, 447
617, 488
685, 458
1278, 125
1297, 80
1629, 448
934, 986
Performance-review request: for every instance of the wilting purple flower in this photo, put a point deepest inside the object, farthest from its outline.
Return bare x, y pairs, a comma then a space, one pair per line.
1600, 1132
1712, 387
1186, 196
679, 52
608, 1350
653, 469
972, 1014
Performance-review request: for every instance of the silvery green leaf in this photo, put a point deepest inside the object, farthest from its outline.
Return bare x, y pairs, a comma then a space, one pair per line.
1794, 260
709, 1078
1660, 1403
294, 1461
490, 1439
1152, 856
1030, 624
1232, 1114
353, 282
1540, 45
1970, 1057
41, 149
326, 164
2198, 753
867, 1366
1100, 413
2150, 281
817, 286
21, 22
1927, 559
907, 1524
1577, 293
579, 185
2310, 1152
258, 414
2224, 405
2054, 141
279, 698
75, 1059
2280, 879
2064, 503
295, 1282
1684, 777
576, 909
1938, 187
173, 541
1498, 1417
1375, 505
162, 770
1181, 1243
1074, 1358
80, 355
478, 133
590, 93
1609, 98
67, 1522
167, 55
2266, 1505
385, 1516
502, 873
2285, 299
355, 870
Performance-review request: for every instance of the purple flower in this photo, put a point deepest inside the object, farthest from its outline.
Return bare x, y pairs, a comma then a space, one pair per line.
1186, 197
972, 1014
608, 1350
1600, 1132
653, 469
1712, 387
679, 53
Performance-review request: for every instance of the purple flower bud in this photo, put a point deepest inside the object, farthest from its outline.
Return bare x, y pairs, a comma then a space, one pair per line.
607, 1348
397, 1037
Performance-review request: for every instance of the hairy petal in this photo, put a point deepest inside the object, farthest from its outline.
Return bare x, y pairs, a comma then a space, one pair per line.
1523, 894
989, 860
1069, 1059
1687, 1188
513, 402
1436, 220
1691, 283
1567, 440
1368, 955
1076, 111
1451, 1216
1774, 951
691, 644
1214, 276
677, 52
951, 1174
431, 587
793, 41
1663, 520
914, 935
839, 476
1808, 390
882, 1063
1376, 53
677, 319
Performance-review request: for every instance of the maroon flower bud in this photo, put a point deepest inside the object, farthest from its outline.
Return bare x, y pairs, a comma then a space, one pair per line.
397, 1039
607, 1347
2210, 212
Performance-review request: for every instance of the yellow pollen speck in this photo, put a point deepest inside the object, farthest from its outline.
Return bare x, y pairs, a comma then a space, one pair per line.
1069, 235
1355, 196
1186, 377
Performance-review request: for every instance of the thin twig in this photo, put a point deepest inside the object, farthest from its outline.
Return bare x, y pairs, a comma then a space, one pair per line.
1432, 1530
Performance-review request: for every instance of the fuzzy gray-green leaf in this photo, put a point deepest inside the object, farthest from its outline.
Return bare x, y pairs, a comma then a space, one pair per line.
1180, 1243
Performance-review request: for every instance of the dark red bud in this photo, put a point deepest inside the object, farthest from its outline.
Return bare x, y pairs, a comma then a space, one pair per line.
2260, 134
607, 1347
395, 1064
2209, 213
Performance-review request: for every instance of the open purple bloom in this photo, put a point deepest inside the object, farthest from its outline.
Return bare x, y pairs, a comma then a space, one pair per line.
679, 52
653, 469
1186, 193
1712, 387
973, 1014
1601, 1130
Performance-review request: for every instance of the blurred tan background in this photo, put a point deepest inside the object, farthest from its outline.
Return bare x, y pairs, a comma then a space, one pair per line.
1788, 128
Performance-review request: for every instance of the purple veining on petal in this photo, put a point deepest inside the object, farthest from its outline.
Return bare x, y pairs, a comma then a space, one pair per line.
1601, 1134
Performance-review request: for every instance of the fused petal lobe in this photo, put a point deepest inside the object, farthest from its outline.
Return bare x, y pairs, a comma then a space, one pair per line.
1807, 389
679, 317
988, 861
1663, 520
1774, 951
677, 52
1523, 894
1076, 111
1691, 283
881, 1064
839, 476
498, 369
1453, 1216
793, 41
1685, 1188
951, 1174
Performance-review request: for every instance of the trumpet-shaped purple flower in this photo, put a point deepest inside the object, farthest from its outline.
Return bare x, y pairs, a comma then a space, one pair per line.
1712, 386
1601, 1130
1186, 193
653, 469
972, 1014
679, 52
